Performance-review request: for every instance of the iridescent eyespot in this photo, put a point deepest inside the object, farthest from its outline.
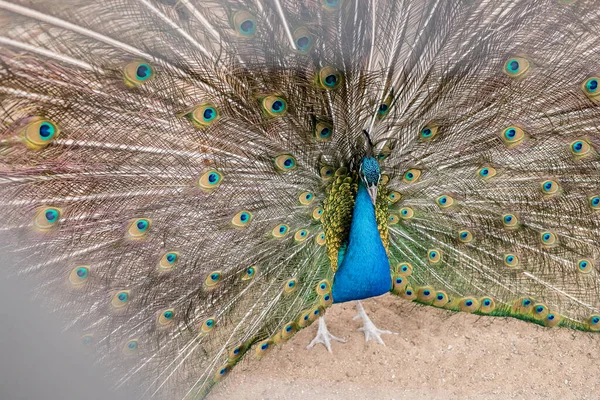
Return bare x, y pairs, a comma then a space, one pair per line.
511, 260
222, 372
510, 221
323, 131
301, 235
394, 197
434, 256
302, 40
46, 218
323, 287
285, 163
79, 275
138, 228
384, 107
580, 148
242, 219
326, 173
317, 213
465, 236
409, 294
469, 304
406, 213
540, 311
204, 115
213, 279
412, 175
487, 305
290, 286
585, 266
168, 261
516, 67
399, 283
244, 23
590, 87
87, 340
236, 352
250, 273
306, 198
425, 294
130, 347
288, 330
320, 239
262, 348
166, 317
208, 325
513, 136
440, 299
393, 219
210, 180
548, 239
384, 179
274, 106
549, 187
593, 323
280, 231
486, 172
594, 202
404, 269
120, 298
445, 201
552, 319
38, 133
137, 73
428, 132
331, 4
315, 313
329, 78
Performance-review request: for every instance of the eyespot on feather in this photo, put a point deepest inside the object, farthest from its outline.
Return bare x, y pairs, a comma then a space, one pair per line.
426, 294
274, 106
468, 304
517, 67
323, 287
384, 107
331, 5
409, 294
552, 319
549, 187
406, 213
302, 39
47, 218
428, 132
440, 299
244, 23
263, 347
510, 221
487, 305
585, 266
285, 163
465, 236
548, 239
523, 305
412, 175
445, 201
512, 136
434, 256
138, 228
121, 298
166, 317
301, 235
326, 300
327, 173
208, 325
306, 198
242, 219
39, 133
131, 347
210, 180
329, 78
591, 87
594, 202
136, 73
384, 179
580, 148
404, 269
250, 273
316, 312
280, 231
593, 323
79, 275
304, 319
393, 219
237, 352
511, 260
540, 311
320, 239
221, 373
486, 172
400, 282
213, 279
394, 197
290, 285
288, 330
204, 115
317, 213
168, 261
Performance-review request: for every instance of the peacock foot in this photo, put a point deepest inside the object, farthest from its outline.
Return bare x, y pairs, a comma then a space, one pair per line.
324, 337
369, 328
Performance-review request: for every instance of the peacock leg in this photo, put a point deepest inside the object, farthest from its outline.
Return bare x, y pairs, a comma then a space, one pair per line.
369, 328
323, 336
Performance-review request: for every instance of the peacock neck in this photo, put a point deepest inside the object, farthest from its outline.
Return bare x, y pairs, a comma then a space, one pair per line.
365, 270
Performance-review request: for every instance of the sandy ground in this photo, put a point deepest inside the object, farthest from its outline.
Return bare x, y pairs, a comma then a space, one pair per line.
437, 354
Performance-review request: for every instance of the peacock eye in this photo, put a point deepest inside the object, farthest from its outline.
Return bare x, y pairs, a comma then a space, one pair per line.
285, 162
329, 78
166, 317
548, 238
120, 299
301, 235
412, 175
487, 305
47, 218
250, 273
208, 325
406, 213
320, 239
274, 105
394, 197
511, 260
549, 187
445, 201
590, 87
210, 180
131, 347
280, 231
290, 286
242, 219
323, 131
513, 136
595, 203
303, 39
204, 115
393, 219
516, 67
137, 73
317, 213
509, 220
585, 266
434, 256
306, 198
138, 228
465, 236
428, 132
326, 173
39, 133
244, 23
384, 107
580, 148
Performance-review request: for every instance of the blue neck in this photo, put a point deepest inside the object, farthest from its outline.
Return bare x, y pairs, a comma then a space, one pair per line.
365, 270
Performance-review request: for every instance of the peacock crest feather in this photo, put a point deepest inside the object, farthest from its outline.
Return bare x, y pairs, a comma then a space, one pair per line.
187, 181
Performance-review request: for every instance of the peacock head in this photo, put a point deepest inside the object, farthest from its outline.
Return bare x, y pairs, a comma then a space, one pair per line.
370, 173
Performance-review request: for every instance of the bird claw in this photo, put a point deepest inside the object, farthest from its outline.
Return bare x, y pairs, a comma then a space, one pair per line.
369, 328
324, 337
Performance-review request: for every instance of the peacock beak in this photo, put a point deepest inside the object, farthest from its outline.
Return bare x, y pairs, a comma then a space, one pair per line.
372, 193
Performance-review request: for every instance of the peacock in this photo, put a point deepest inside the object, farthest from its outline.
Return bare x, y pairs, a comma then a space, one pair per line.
191, 182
